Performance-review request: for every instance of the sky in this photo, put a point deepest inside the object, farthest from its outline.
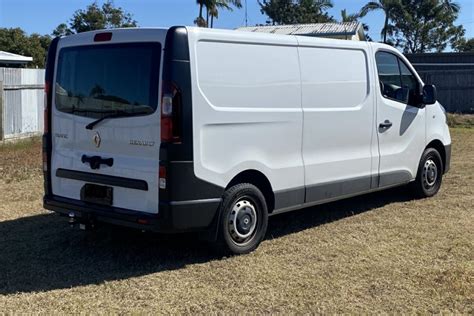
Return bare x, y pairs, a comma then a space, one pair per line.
42, 16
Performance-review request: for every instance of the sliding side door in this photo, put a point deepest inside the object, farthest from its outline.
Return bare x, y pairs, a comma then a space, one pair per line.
339, 145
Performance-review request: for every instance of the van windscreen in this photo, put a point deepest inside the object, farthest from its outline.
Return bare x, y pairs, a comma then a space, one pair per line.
100, 80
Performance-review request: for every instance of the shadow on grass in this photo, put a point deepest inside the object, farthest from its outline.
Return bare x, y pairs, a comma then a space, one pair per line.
41, 253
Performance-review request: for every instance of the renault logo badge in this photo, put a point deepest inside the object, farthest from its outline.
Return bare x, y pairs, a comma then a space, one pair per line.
96, 139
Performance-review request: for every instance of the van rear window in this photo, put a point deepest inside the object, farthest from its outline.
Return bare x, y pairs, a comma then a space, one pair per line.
100, 80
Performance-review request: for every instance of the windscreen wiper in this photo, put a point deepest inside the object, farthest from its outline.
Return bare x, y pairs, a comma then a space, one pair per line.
116, 114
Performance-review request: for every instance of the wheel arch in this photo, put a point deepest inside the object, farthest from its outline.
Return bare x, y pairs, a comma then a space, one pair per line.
438, 145
258, 179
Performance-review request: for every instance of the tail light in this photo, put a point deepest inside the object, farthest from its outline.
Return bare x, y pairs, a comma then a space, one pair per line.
103, 37
162, 176
142, 221
45, 161
170, 113
47, 88
47, 107
48, 100
46, 137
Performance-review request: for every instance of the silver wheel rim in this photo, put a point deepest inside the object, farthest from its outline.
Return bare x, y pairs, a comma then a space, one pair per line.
242, 222
430, 174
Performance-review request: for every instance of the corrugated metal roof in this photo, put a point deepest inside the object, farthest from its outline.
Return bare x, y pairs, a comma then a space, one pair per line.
345, 28
6, 57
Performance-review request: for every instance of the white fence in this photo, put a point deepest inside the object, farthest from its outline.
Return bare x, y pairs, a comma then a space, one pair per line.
21, 102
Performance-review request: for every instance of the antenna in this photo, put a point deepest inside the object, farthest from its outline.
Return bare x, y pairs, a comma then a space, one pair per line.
246, 15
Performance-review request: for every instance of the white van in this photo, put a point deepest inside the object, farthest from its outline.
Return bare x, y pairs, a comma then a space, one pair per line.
191, 129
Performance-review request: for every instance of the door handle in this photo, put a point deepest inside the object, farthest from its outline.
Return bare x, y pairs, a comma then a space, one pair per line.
96, 161
385, 125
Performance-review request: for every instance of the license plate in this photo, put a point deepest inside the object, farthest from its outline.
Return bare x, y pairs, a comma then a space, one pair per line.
98, 194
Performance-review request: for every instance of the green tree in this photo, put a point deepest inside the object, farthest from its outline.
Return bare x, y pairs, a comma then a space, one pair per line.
38, 49
389, 7
426, 25
278, 11
15, 40
464, 45
296, 11
96, 17
451, 6
62, 30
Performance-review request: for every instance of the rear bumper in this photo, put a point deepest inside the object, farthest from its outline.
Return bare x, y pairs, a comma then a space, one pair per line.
173, 217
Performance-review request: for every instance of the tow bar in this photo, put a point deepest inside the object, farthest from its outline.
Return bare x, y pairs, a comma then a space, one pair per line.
82, 225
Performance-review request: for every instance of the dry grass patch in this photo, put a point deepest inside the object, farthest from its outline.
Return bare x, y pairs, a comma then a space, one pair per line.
461, 120
381, 252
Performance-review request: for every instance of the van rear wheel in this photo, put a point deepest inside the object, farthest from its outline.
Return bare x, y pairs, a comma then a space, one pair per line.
243, 220
430, 174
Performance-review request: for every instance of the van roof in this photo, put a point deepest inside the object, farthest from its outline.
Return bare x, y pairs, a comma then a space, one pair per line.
239, 33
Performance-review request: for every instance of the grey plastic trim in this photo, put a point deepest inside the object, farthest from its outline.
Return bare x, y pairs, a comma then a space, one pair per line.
335, 189
289, 197
338, 190
216, 200
102, 179
447, 163
393, 178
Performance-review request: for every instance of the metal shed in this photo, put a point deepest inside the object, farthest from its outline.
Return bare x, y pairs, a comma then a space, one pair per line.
346, 30
11, 60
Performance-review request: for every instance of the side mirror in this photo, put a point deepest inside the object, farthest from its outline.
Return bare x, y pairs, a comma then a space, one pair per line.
430, 95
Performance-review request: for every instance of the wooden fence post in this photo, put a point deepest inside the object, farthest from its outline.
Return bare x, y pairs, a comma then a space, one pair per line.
2, 132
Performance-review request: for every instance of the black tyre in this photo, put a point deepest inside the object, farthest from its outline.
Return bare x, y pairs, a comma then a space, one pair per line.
430, 174
244, 219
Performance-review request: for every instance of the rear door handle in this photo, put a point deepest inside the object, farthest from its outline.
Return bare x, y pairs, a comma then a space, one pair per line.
385, 125
96, 161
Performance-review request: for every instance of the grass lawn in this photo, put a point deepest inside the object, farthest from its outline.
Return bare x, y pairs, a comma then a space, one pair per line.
381, 252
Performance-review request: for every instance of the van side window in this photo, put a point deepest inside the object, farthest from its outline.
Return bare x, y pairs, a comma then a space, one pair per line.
394, 75
409, 81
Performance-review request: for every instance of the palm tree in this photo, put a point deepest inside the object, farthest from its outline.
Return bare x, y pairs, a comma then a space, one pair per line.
387, 6
354, 17
322, 5
213, 6
452, 6
214, 13
200, 20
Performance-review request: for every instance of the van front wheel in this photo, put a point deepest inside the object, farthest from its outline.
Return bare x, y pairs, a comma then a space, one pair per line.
430, 174
243, 220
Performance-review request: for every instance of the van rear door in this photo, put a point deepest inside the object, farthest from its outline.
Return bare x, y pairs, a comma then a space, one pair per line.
105, 118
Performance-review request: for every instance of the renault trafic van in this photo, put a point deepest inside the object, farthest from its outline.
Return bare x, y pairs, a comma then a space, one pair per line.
190, 129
